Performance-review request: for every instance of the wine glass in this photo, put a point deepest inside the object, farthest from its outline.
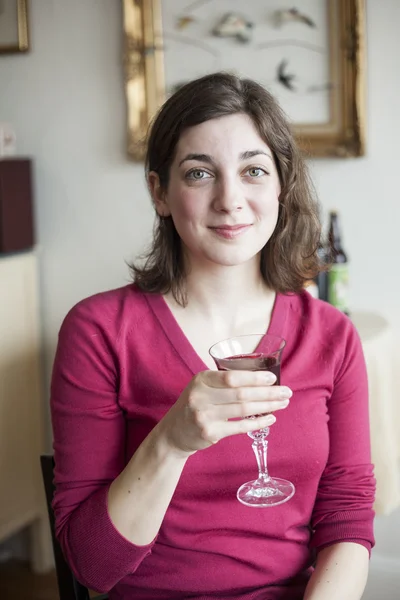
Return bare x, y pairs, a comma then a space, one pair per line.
256, 352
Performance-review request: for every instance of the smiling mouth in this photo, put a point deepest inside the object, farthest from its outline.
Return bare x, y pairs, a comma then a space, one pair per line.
230, 231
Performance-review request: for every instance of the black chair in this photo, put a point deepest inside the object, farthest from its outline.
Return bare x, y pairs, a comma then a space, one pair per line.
69, 587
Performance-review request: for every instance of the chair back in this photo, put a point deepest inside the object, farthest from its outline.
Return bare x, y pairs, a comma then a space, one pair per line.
69, 587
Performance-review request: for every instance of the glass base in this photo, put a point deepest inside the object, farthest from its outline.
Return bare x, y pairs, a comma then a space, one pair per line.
265, 492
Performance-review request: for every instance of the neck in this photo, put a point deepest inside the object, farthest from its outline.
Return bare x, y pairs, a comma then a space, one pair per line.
226, 296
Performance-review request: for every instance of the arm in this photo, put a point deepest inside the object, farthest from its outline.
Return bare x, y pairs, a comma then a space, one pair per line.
138, 499
89, 448
342, 519
341, 572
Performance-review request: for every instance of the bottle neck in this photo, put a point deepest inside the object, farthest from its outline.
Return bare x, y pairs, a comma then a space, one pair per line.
334, 233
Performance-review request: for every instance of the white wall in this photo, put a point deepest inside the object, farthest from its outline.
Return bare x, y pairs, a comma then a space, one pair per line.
66, 100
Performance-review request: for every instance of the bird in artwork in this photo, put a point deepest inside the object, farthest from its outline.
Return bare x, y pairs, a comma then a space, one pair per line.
234, 25
285, 78
186, 18
292, 15
184, 21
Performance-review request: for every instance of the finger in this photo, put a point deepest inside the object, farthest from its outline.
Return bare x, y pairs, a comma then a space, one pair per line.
249, 394
245, 425
235, 379
235, 411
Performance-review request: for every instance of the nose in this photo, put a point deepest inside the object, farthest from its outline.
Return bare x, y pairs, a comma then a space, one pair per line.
228, 195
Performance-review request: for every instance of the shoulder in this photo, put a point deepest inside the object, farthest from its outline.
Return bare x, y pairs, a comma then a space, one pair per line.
322, 320
106, 311
327, 335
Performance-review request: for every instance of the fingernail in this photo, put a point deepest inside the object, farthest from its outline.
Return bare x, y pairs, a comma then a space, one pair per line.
286, 393
270, 419
270, 377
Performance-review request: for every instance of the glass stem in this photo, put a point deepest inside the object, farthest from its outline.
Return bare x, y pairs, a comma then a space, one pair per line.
260, 446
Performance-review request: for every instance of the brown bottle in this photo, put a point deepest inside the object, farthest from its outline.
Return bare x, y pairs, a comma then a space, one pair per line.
338, 276
322, 277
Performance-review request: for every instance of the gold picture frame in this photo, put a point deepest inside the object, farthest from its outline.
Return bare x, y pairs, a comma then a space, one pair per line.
14, 30
342, 135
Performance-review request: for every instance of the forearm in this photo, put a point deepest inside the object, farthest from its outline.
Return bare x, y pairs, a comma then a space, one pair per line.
139, 497
340, 573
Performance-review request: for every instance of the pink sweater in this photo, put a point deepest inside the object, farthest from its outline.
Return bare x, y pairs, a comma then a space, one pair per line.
122, 361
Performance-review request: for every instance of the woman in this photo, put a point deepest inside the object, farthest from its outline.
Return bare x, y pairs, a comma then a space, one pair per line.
149, 450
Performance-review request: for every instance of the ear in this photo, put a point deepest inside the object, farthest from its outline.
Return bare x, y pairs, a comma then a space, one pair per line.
158, 194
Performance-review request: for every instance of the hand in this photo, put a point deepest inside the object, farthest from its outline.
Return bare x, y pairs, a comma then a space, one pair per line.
201, 415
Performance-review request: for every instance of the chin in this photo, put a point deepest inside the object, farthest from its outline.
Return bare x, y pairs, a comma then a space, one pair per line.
233, 259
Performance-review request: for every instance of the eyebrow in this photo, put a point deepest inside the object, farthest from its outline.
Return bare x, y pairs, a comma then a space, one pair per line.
209, 159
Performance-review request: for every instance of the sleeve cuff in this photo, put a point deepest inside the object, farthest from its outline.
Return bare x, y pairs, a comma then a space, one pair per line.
98, 554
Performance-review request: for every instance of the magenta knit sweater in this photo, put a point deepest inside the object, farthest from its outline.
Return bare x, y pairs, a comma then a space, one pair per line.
122, 361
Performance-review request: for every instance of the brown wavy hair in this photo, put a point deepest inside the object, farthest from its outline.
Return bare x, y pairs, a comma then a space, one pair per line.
290, 257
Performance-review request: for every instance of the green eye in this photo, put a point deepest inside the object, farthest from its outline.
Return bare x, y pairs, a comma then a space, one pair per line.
256, 172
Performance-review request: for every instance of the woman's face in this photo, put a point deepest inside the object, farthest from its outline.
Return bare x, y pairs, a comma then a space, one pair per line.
223, 191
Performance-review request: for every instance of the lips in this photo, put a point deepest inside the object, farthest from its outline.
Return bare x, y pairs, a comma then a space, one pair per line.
231, 231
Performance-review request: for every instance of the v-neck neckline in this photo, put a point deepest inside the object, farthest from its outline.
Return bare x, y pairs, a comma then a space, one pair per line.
182, 345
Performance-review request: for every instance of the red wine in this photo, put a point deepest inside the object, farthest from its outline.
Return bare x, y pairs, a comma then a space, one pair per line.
257, 361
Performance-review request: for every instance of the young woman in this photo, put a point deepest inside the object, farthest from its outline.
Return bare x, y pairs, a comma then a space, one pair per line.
148, 435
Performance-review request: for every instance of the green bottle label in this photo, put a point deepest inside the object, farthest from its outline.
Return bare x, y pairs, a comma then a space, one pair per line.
338, 286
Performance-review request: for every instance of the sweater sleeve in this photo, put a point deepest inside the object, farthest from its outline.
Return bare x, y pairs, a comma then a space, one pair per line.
89, 446
343, 509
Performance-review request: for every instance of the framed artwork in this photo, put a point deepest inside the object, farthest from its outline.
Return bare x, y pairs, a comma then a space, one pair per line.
14, 35
311, 57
